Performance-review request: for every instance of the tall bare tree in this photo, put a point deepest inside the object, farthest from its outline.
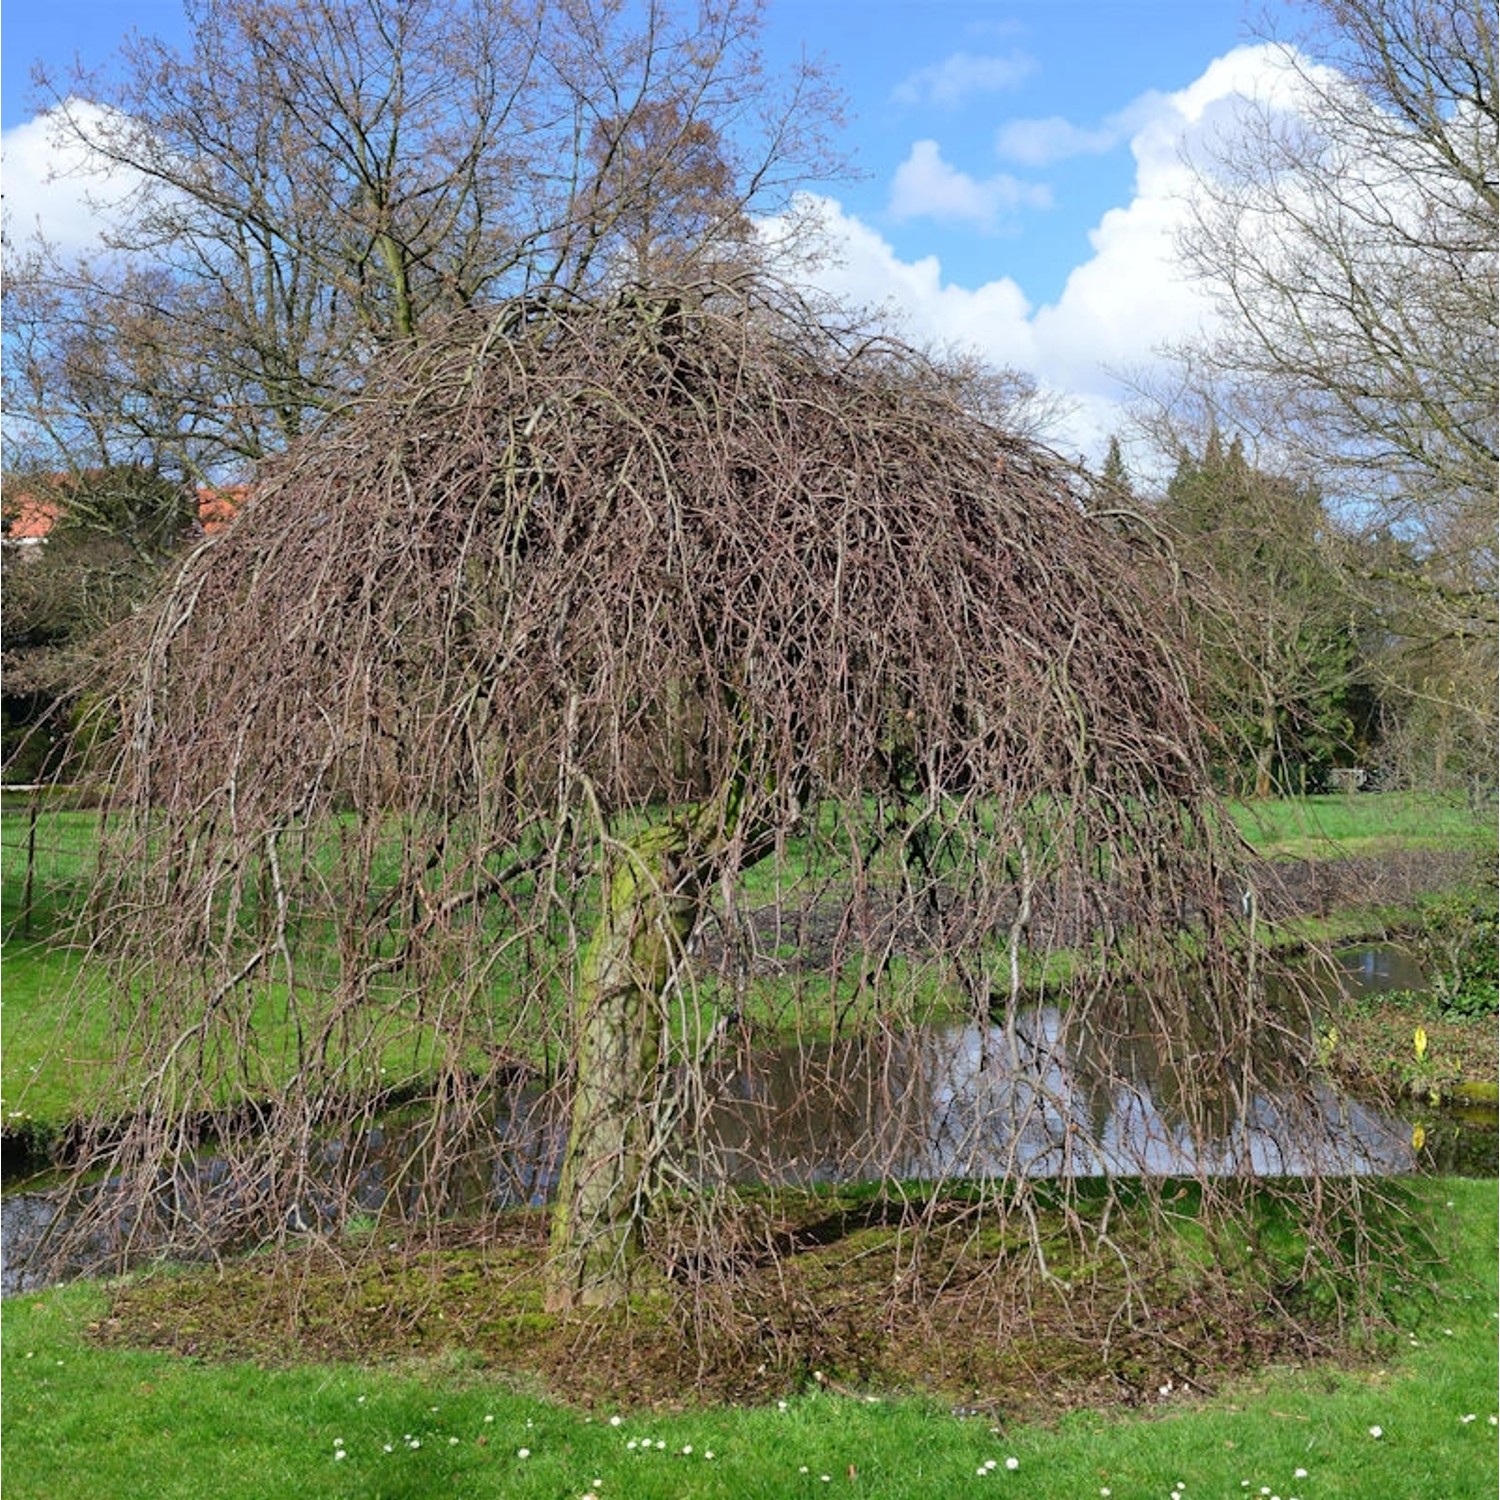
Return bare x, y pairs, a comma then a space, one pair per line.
1347, 222
314, 179
628, 691
666, 190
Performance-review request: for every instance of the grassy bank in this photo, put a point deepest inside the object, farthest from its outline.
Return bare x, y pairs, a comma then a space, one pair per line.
121, 1421
1347, 824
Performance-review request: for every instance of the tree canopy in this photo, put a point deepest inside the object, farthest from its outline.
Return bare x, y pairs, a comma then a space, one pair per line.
1279, 631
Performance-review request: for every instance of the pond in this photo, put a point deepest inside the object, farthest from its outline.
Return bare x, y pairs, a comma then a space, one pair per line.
1378, 969
968, 1101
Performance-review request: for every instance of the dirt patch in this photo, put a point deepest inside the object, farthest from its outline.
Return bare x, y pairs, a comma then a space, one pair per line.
1320, 887
808, 936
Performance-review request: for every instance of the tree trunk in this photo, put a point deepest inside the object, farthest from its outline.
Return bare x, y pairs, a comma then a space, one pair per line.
652, 897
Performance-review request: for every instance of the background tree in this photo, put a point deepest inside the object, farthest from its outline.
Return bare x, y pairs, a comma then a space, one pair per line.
1346, 222
314, 179
665, 197
1114, 478
1277, 627
1430, 670
403, 803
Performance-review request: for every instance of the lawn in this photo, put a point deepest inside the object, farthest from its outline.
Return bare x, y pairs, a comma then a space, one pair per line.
1415, 1417
1412, 1420
1364, 823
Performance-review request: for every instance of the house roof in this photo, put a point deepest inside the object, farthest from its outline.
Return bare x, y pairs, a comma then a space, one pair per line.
29, 518
218, 506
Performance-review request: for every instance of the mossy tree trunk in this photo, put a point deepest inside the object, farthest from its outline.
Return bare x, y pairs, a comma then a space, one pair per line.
652, 898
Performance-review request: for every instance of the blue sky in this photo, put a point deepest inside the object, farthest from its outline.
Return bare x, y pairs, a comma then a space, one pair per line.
1017, 157
966, 75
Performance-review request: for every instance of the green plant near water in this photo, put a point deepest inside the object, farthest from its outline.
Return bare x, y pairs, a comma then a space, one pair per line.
1458, 944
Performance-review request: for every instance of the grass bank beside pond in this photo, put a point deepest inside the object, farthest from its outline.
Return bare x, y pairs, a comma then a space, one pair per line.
1414, 1418
1344, 824
56, 1056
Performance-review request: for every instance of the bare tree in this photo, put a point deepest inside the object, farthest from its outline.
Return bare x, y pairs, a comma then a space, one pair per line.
1347, 223
663, 184
628, 692
314, 179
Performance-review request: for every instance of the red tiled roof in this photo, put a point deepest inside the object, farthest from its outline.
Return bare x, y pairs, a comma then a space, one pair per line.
217, 507
29, 518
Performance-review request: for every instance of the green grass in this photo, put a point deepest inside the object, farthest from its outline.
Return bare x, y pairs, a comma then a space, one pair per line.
45, 867
52, 1055
58, 1058
1344, 824
113, 1422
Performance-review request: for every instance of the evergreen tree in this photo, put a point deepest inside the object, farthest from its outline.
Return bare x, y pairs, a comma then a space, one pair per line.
1279, 639
1114, 477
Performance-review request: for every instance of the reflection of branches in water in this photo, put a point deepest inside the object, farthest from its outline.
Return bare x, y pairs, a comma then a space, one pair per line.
845, 681
940, 1103
949, 1103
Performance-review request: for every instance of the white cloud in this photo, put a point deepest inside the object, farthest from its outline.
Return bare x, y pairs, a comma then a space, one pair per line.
52, 188
913, 297
959, 77
1211, 104
1117, 308
927, 187
1041, 142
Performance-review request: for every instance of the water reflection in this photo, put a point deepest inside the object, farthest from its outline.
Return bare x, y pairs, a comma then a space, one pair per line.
1379, 969
995, 1101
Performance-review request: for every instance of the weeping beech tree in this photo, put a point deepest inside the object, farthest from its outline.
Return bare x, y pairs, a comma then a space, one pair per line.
627, 698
